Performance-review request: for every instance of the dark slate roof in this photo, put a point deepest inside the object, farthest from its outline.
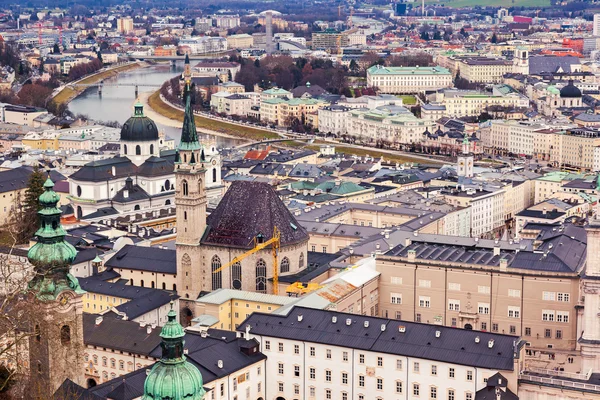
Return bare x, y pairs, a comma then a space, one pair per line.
288, 155
125, 391
549, 215
452, 253
204, 353
455, 346
101, 212
205, 80
116, 333
247, 209
16, 179
71, 390
312, 90
84, 255
152, 300
155, 166
134, 193
101, 170
549, 64
140, 258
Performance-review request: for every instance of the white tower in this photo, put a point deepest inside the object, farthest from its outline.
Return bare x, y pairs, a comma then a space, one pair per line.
521, 61
464, 168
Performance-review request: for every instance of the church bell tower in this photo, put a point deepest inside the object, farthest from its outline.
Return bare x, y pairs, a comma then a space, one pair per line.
190, 201
56, 346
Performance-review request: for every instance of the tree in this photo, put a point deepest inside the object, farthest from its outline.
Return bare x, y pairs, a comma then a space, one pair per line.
354, 67
425, 35
100, 56
56, 49
464, 33
41, 69
26, 214
437, 35
494, 38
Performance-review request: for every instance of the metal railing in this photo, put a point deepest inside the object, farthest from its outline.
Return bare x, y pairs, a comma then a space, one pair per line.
559, 382
562, 374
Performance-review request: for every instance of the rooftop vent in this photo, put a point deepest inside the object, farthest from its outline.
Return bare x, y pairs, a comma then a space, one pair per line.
366, 324
401, 329
382, 327
348, 321
334, 319
477, 339
220, 364
300, 317
438, 334
491, 343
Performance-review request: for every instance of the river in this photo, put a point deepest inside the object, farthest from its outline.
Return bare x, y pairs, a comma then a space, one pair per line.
116, 102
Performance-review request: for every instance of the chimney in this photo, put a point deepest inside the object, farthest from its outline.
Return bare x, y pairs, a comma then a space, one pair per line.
412, 255
544, 211
148, 329
99, 320
407, 242
247, 335
496, 250
503, 264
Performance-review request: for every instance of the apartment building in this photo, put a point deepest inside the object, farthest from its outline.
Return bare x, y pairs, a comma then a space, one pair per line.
284, 112
459, 103
483, 69
399, 80
317, 354
492, 286
125, 25
330, 39
394, 124
487, 208
332, 119
575, 148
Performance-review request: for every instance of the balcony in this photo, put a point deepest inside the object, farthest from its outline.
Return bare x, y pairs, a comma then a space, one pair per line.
570, 380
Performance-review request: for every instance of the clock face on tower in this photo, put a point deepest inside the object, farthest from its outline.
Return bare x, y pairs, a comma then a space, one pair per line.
63, 300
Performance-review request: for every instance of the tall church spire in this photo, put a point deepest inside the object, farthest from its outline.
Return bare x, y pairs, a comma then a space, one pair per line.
189, 135
56, 351
51, 255
173, 377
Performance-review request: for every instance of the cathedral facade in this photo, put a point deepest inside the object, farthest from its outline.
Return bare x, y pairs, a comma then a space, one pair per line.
248, 213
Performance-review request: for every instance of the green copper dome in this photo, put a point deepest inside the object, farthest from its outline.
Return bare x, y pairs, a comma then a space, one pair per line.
51, 256
173, 378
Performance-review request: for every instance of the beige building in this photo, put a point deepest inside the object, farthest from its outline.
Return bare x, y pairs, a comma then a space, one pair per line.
125, 25
241, 41
489, 286
329, 39
284, 112
483, 69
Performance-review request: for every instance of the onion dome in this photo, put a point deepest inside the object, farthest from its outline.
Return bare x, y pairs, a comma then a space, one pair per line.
139, 127
173, 378
51, 256
570, 91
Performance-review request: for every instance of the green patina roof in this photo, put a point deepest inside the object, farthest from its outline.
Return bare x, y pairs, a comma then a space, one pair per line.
189, 134
343, 188
173, 378
51, 256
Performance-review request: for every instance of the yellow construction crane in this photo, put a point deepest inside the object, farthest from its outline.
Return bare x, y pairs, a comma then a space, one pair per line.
259, 244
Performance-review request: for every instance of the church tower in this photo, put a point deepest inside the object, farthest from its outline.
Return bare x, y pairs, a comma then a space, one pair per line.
465, 162
56, 348
173, 377
590, 284
190, 201
521, 61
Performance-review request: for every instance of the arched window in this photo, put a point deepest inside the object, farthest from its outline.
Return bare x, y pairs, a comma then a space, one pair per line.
217, 277
174, 287
142, 283
152, 284
285, 265
168, 203
38, 334
138, 150
104, 361
78, 191
214, 172
301, 261
200, 186
136, 207
236, 276
184, 188
65, 334
152, 149
185, 215
164, 286
95, 359
79, 212
121, 364
261, 276
105, 375
125, 149
131, 281
167, 184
